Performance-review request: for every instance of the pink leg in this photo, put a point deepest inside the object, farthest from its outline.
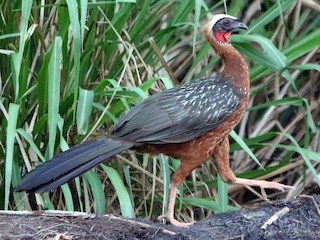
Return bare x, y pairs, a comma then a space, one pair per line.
185, 168
170, 213
221, 158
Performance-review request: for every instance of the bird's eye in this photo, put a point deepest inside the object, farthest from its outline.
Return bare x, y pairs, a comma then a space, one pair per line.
226, 23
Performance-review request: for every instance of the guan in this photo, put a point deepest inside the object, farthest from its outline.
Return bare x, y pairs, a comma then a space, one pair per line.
191, 122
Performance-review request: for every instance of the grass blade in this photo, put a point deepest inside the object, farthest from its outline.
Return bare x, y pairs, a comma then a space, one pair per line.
206, 204
97, 191
123, 195
275, 59
54, 92
304, 45
83, 17
308, 66
245, 147
165, 175
268, 16
67, 197
222, 195
84, 110
28, 138
76, 33
17, 59
11, 132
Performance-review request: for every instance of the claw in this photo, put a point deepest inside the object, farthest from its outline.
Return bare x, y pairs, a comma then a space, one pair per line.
263, 185
173, 221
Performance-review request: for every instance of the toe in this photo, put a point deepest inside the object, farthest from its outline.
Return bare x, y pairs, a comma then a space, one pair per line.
173, 221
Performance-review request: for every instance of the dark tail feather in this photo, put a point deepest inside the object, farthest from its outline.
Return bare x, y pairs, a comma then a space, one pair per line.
70, 164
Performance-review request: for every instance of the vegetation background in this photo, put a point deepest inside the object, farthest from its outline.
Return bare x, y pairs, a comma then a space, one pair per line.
69, 70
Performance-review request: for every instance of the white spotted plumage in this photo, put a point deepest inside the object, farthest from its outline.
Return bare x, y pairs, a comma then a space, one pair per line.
180, 114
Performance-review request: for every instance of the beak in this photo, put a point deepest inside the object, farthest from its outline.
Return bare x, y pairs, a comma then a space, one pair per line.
238, 25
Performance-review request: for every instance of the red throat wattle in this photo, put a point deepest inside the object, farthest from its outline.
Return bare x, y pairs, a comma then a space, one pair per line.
222, 36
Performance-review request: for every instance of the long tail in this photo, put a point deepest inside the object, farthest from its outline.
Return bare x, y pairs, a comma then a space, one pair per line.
70, 164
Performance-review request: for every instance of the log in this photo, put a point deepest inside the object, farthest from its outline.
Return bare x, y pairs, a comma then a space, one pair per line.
295, 219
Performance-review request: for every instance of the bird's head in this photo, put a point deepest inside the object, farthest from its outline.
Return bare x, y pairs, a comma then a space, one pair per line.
220, 26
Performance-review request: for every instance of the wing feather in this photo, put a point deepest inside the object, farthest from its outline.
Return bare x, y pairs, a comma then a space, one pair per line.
180, 114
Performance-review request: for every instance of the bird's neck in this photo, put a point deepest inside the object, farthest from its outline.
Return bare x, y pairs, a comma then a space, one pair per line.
235, 67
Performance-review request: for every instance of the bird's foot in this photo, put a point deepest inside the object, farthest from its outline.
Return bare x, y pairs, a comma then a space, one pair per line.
173, 221
263, 185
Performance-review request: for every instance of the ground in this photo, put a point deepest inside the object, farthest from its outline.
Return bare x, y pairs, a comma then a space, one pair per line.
295, 219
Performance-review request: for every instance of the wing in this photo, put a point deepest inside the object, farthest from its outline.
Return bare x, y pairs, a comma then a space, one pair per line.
179, 114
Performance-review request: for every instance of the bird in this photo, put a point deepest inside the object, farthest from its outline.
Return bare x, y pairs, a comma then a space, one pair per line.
190, 122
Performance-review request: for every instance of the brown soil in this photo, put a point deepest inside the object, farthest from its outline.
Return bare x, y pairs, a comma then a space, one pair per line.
296, 219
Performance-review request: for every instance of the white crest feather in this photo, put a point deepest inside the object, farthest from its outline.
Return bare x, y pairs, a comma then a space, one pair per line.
216, 18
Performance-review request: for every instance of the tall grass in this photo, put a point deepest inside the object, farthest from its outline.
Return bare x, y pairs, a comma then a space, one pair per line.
70, 69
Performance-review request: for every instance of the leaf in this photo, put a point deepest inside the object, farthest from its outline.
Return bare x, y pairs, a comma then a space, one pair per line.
63, 143
83, 16
307, 66
167, 82
67, 197
206, 204
97, 191
17, 58
11, 132
268, 16
76, 33
303, 45
302, 152
273, 57
222, 195
54, 92
245, 147
29, 139
84, 110
296, 101
198, 5
123, 195
165, 175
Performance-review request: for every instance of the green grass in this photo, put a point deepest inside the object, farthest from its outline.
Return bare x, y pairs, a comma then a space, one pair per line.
69, 71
